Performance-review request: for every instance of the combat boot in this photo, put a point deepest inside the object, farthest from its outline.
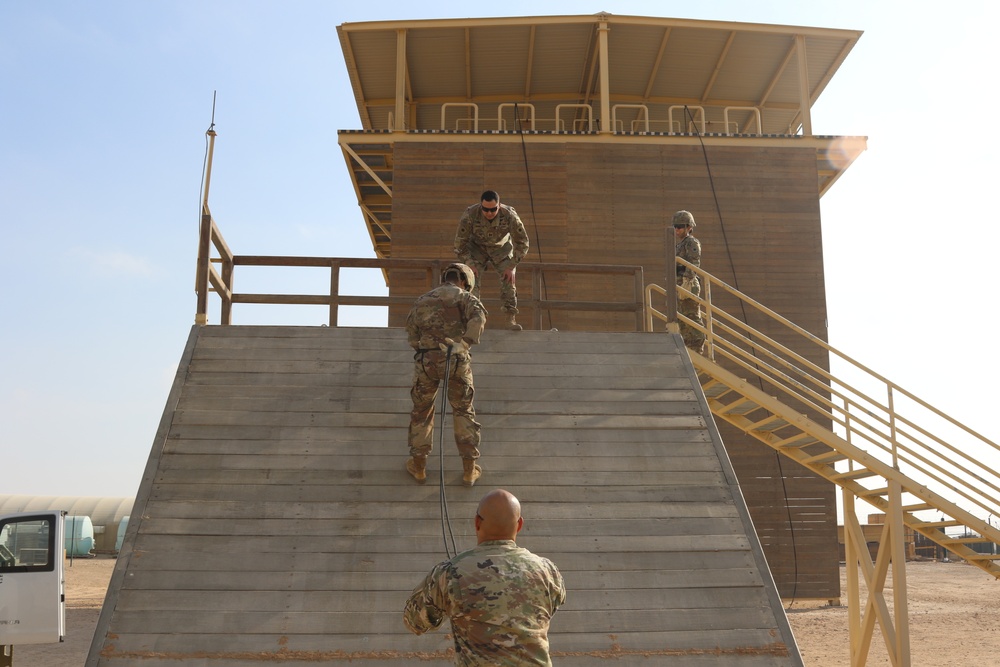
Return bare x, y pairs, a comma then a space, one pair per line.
471, 471
512, 324
417, 467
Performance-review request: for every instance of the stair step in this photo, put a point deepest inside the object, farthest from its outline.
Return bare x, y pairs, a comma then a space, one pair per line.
741, 407
965, 540
860, 473
939, 524
871, 493
831, 456
920, 507
983, 557
772, 423
715, 389
797, 441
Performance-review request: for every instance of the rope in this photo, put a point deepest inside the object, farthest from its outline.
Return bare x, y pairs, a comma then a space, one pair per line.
531, 200
736, 284
446, 529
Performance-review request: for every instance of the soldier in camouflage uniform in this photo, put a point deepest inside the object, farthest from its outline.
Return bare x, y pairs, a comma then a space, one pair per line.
688, 248
500, 597
492, 233
447, 317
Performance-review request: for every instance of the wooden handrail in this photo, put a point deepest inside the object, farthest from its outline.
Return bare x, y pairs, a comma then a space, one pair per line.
210, 280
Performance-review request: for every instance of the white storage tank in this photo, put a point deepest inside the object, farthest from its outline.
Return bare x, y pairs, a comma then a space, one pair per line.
122, 525
79, 538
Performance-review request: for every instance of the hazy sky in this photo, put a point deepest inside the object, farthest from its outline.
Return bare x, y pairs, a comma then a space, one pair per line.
103, 112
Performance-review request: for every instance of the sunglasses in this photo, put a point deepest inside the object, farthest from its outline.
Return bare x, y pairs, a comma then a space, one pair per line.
490, 210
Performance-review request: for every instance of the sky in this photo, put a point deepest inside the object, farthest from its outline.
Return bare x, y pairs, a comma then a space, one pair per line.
103, 113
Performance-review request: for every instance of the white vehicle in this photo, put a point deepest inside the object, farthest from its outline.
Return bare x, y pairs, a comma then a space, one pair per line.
32, 583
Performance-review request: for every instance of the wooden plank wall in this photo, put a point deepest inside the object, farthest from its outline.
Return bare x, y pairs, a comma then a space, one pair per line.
609, 203
275, 520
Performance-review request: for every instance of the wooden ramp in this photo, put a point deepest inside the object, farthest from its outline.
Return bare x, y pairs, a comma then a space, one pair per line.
275, 521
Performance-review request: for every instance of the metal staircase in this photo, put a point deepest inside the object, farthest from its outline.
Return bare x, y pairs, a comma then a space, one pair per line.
782, 393
878, 442
856, 429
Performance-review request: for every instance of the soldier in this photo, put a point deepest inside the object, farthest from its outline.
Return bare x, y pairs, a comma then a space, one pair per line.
492, 233
500, 597
448, 316
688, 248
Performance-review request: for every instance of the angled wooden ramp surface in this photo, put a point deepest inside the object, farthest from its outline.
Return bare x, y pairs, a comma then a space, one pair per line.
275, 522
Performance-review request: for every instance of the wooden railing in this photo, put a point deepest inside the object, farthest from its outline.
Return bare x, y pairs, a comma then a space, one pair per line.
214, 252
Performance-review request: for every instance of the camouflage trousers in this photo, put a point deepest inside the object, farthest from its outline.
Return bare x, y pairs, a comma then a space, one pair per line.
508, 291
693, 338
428, 369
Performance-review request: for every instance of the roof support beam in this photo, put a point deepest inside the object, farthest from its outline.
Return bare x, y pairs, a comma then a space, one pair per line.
531, 59
805, 98
399, 118
718, 67
468, 65
775, 78
605, 81
656, 65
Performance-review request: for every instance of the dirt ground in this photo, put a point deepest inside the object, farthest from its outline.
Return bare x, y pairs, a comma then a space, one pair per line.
954, 619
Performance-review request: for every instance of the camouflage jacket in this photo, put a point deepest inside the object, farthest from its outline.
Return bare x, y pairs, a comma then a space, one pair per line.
447, 311
688, 248
499, 597
501, 240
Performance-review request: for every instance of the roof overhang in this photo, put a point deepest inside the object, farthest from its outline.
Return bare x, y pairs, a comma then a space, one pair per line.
598, 77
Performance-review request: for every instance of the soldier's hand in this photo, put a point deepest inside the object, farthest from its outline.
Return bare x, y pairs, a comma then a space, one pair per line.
688, 284
508, 275
456, 346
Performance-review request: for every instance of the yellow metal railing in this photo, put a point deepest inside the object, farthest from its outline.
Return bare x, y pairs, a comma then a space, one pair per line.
864, 408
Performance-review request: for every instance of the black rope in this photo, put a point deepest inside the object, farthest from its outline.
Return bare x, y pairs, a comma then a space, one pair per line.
760, 384
204, 162
531, 200
446, 529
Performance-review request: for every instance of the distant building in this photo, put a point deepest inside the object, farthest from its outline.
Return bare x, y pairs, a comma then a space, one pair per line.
105, 513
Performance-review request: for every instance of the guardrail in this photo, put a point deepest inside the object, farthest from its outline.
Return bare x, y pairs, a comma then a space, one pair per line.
220, 281
902, 430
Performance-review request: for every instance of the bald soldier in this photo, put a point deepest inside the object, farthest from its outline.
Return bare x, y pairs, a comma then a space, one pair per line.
500, 597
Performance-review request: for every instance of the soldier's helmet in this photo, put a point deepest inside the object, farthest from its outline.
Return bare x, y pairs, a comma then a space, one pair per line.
465, 274
683, 218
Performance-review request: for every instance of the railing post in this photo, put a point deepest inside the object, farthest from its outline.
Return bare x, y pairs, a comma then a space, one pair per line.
536, 293
205, 236
227, 297
640, 300
201, 279
900, 607
334, 292
670, 281
851, 566
706, 295
892, 428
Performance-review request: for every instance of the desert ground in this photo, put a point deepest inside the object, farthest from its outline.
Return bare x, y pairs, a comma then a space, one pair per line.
954, 619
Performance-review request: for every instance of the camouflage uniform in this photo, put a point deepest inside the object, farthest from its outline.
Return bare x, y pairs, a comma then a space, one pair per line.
499, 597
447, 311
689, 248
501, 241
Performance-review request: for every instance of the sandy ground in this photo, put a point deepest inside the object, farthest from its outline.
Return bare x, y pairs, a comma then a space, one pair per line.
954, 619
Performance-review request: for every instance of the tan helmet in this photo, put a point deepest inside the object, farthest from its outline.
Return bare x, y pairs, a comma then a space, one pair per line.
683, 218
465, 274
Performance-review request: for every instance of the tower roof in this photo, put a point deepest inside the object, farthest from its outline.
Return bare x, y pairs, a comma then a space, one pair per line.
549, 60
